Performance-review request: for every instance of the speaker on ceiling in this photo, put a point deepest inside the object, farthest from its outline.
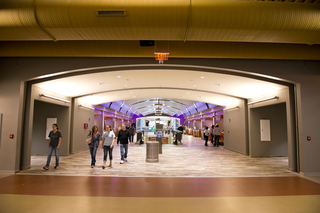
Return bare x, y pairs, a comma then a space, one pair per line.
146, 43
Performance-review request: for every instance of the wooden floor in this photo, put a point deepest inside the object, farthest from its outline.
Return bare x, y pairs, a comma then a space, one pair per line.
50, 193
38, 191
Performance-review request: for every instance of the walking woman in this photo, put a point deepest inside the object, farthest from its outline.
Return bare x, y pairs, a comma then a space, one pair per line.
54, 144
93, 146
108, 139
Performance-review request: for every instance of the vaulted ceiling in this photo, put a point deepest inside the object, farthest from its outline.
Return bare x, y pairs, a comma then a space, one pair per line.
283, 29
150, 90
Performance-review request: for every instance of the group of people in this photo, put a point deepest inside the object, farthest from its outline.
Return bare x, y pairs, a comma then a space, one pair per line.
125, 137
215, 133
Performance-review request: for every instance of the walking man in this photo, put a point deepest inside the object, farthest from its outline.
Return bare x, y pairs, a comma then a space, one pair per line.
123, 138
217, 131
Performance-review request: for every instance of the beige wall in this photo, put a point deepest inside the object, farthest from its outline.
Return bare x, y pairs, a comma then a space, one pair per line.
284, 97
278, 144
80, 116
235, 128
304, 74
44, 110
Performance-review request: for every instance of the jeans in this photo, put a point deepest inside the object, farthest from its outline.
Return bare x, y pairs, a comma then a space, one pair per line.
93, 152
123, 151
216, 140
212, 136
131, 138
206, 138
56, 152
105, 153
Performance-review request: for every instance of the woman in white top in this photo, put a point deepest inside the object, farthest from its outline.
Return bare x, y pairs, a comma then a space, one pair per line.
108, 139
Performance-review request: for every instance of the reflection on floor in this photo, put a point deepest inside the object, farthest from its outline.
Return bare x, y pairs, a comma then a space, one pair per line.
51, 193
192, 159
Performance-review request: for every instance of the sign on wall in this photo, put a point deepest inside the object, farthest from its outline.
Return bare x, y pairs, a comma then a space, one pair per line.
265, 130
50, 121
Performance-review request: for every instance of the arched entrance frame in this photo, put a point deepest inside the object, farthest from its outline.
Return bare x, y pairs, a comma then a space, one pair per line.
291, 85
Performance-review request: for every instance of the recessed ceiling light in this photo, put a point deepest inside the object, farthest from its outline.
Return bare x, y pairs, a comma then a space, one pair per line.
188, 93
194, 85
201, 77
119, 76
183, 97
125, 85
131, 92
134, 96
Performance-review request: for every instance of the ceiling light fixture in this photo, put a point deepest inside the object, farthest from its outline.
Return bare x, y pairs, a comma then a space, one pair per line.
262, 100
201, 77
54, 98
235, 107
86, 106
119, 76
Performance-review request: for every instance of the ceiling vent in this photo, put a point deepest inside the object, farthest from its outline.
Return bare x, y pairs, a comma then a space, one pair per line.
102, 13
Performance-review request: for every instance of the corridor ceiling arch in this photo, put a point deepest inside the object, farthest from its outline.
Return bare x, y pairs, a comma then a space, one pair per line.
99, 86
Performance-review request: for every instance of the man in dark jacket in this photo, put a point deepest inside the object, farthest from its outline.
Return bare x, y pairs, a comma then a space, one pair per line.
123, 138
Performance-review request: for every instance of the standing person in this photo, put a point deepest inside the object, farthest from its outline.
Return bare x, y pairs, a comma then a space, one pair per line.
131, 131
108, 139
123, 138
211, 133
217, 132
54, 144
180, 128
93, 146
206, 135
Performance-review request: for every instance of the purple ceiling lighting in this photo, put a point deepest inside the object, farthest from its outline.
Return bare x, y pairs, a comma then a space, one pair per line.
196, 107
122, 107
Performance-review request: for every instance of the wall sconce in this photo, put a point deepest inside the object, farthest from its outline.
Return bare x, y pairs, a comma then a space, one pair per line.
54, 98
266, 99
86, 107
235, 107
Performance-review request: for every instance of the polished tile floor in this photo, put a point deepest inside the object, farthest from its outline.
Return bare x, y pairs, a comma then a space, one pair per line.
192, 159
